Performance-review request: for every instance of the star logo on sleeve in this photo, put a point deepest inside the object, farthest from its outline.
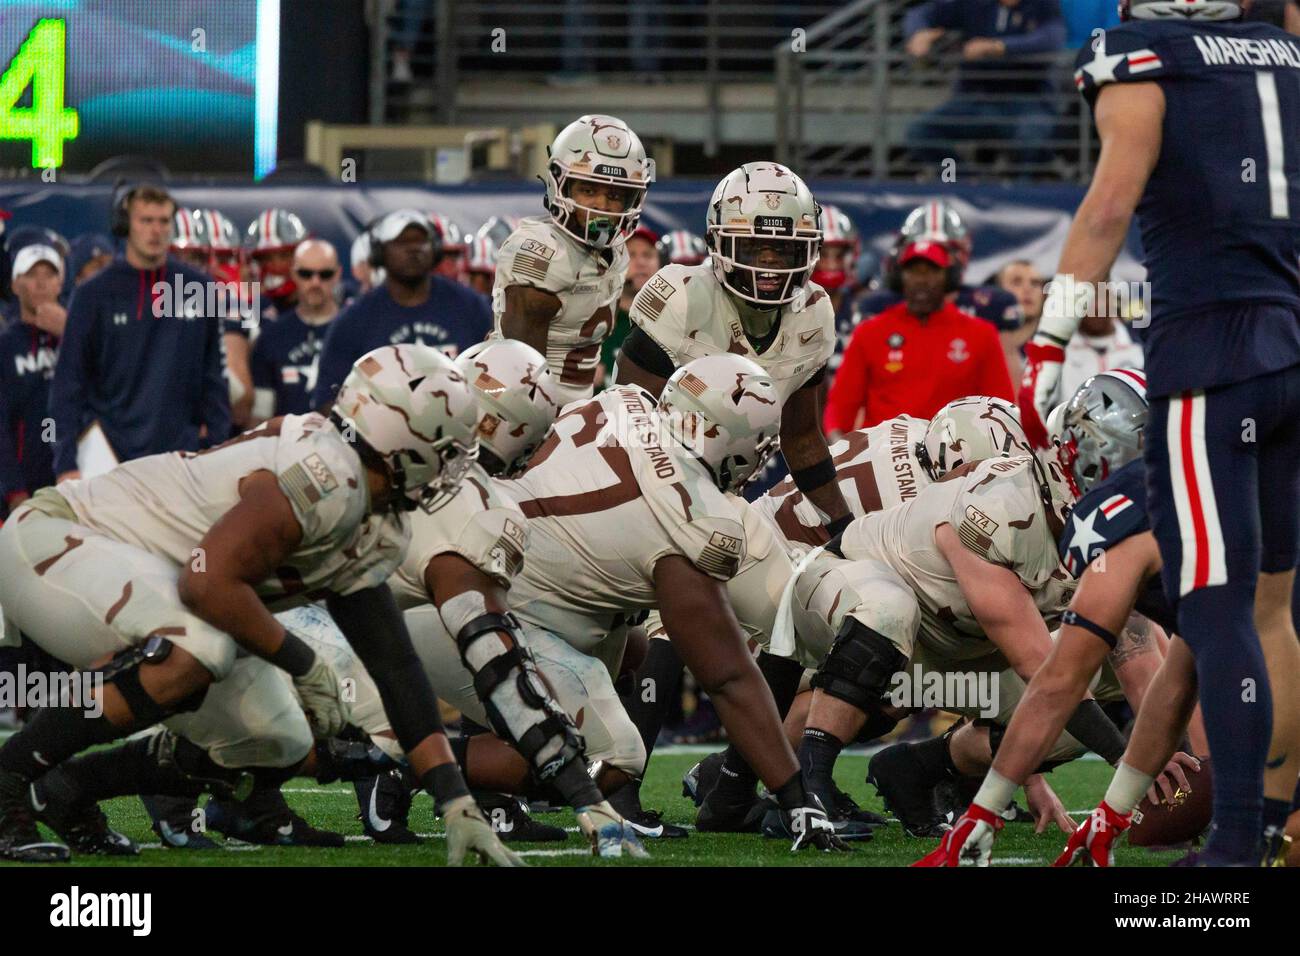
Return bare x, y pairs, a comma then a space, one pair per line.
1084, 536
1102, 67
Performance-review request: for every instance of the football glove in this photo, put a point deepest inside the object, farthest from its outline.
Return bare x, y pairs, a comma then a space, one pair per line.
1092, 843
609, 834
812, 828
970, 841
468, 829
1068, 301
322, 699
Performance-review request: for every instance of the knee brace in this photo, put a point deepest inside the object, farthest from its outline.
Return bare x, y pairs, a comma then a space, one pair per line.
506, 680
859, 666
123, 672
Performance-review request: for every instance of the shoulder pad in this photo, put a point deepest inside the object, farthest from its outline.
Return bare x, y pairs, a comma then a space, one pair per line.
998, 516
477, 524
322, 476
535, 256
1129, 53
1108, 514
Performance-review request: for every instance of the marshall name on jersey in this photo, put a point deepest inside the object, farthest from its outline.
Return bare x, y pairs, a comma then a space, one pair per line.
997, 513
165, 504
876, 469
1225, 288
478, 524
607, 495
689, 315
543, 255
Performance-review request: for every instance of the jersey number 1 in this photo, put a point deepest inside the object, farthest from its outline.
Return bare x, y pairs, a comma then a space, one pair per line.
41, 62
1271, 114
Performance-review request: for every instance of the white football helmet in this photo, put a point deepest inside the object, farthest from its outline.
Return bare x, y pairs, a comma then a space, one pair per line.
763, 211
725, 410
1100, 428
1179, 9
414, 410
597, 149
970, 429
516, 401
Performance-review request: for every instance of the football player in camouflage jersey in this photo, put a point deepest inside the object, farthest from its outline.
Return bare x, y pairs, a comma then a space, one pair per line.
559, 276
158, 572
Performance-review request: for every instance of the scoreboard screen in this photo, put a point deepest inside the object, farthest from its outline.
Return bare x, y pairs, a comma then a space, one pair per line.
193, 83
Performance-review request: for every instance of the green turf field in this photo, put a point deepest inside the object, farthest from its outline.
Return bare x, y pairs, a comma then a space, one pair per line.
334, 807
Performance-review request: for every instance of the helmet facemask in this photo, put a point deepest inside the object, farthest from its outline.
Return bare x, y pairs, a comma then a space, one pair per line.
768, 268
602, 228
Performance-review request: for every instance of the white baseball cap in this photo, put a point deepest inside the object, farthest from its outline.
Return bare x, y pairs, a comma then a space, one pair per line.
28, 256
392, 225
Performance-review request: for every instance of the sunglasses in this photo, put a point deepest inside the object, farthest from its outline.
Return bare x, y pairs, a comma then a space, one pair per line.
323, 274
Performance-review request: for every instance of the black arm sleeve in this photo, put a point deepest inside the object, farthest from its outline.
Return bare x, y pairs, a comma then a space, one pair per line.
375, 628
647, 353
1091, 727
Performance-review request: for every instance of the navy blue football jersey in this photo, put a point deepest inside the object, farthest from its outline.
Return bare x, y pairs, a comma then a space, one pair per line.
1220, 216
1114, 510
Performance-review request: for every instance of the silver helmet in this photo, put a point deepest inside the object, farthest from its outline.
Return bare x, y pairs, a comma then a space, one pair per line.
602, 150
1101, 426
970, 429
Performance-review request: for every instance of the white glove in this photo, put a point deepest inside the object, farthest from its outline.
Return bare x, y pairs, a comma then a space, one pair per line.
467, 829
1068, 301
608, 833
322, 699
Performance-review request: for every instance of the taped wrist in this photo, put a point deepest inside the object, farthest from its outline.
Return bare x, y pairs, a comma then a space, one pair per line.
1067, 302
518, 704
1091, 727
814, 476
294, 655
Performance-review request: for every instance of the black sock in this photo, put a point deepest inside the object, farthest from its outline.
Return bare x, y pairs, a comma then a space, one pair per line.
627, 799
783, 676
654, 690
818, 752
52, 736
792, 794
736, 780
131, 768
935, 760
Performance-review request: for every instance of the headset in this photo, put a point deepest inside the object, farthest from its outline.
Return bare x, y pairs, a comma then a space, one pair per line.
376, 259
894, 274
119, 218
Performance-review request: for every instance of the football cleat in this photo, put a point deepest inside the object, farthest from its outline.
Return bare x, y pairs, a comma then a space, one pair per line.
511, 822
716, 816
1092, 843
649, 824
83, 826
20, 840
1277, 845
172, 819
776, 825
898, 778
385, 802
700, 780
265, 819
610, 836
969, 842
810, 827
845, 807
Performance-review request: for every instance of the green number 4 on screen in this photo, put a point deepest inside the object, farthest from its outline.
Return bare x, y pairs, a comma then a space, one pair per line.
41, 62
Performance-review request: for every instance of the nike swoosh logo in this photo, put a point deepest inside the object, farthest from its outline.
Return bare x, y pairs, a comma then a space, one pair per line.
174, 837
647, 831
40, 807
805, 339
36, 755
286, 830
377, 823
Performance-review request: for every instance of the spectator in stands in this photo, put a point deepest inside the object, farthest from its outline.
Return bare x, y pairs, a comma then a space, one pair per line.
27, 353
91, 252
287, 352
1021, 279
1102, 342
999, 96
139, 369
1084, 17
412, 304
643, 262
411, 15
916, 356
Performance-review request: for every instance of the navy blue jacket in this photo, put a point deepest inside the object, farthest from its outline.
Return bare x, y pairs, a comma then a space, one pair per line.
151, 375
26, 365
1030, 27
285, 359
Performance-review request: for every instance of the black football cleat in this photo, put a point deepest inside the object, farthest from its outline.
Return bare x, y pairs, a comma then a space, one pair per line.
715, 816
897, 777
511, 822
699, 781
648, 824
82, 825
265, 819
20, 839
385, 802
173, 820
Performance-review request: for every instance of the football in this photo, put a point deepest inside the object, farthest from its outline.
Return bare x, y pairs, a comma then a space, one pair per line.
1163, 824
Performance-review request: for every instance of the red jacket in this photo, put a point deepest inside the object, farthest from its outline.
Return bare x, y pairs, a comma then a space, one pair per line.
898, 364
